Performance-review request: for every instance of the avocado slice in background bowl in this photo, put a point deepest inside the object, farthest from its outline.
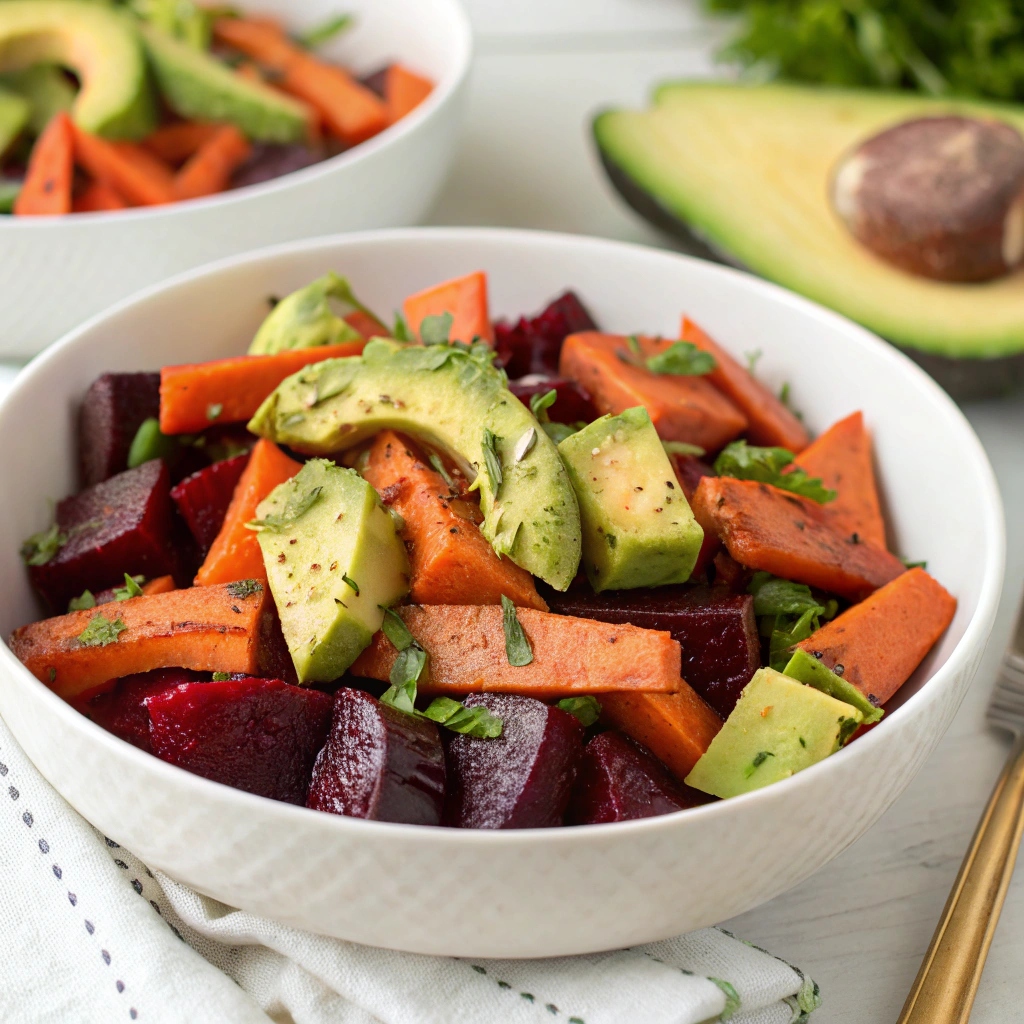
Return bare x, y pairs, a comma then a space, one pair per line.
742, 174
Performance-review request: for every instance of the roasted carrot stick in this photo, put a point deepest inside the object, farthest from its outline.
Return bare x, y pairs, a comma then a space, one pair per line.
46, 191
770, 422
208, 629
210, 169
841, 457
677, 727
97, 197
877, 644
404, 91
465, 645
194, 396
465, 298
366, 325
119, 166
681, 408
235, 553
765, 528
175, 143
450, 560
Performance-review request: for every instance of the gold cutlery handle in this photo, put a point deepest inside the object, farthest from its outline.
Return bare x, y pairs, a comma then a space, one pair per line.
943, 991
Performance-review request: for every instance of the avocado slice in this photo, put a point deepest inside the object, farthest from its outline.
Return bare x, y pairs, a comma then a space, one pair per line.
196, 85
778, 727
46, 89
99, 44
334, 563
304, 319
807, 669
747, 169
453, 398
14, 115
638, 530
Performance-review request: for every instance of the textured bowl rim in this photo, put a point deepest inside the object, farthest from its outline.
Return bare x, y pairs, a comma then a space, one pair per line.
460, 44
974, 638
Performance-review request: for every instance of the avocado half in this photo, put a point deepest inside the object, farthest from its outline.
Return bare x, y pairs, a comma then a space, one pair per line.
746, 170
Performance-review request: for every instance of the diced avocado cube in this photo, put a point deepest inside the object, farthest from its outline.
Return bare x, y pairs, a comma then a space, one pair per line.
305, 319
807, 669
334, 563
638, 530
778, 727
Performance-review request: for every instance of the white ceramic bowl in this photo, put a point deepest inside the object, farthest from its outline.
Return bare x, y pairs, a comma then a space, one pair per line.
514, 893
56, 272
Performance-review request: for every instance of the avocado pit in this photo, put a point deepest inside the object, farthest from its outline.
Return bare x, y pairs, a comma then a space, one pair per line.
940, 197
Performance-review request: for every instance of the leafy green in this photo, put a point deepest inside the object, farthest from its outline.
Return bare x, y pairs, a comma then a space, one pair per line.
682, 359
83, 602
221, 677
405, 674
517, 647
491, 460
42, 546
101, 631
540, 403
351, 582
244, 588
747, 462
759, 759
586, 709
401, 332
295, 508
438, 464
436, 330
558, 432
149, 443
131, 588
787, 614
683, 448
942, 47
478, 721
325, 31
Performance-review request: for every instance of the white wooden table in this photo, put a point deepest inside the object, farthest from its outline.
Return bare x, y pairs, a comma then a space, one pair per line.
861, 925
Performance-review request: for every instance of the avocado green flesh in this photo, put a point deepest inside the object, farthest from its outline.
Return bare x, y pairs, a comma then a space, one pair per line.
304, 319
638, 530
14, 115
778, 727
196, 85
748, 169
99, 44
344, 532
807, 669
448, 398
46, 90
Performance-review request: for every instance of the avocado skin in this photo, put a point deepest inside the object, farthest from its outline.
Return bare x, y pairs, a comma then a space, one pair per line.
196, 85
969, 356
447, 397
60, 32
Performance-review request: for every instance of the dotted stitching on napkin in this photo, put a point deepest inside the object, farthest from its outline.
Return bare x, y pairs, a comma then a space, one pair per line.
28, 819
528, 996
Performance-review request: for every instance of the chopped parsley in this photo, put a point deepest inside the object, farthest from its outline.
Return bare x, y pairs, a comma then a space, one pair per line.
682, 359
558, 432
787, 614
491, 460
517, 646
295, 508
436, 330
396, 630
83, 602
742, 461
438, 464
325, 31
351, 582
101, 631
752, 360
42, 546
221, 677
478, 721
401, 332
586, 709
131, 588
244, 588
759, 759
914, 565
541, 402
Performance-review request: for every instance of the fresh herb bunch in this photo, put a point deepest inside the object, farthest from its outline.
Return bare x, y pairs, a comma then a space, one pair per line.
955, 47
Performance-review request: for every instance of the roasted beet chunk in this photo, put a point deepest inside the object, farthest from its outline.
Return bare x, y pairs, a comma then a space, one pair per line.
620, 780
122, 525
534, 345
112, 412
523, 778
689, 472
271, 160
123, 711
379, 763
203, 498
571, 406
716, 630
260, 735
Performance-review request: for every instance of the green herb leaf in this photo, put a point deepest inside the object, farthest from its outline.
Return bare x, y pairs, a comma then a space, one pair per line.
83, 602
752, 359
788, 613
775, 596
586, 709
784, 399
540, 403
558, 432
295, 508
491, 461
351, 582
396, 630
401, 332
149, 443
325, 32
438, 464
633, 341
405, 674
101, 631
759, 759
42, 546
517, 647
478, 721
214, 409
244, 588
221, 677
747, 462
682, 448
436, 330
131, 588
682, 359
914, 565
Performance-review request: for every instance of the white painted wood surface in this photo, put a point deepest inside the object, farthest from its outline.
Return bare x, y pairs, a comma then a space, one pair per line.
861, 925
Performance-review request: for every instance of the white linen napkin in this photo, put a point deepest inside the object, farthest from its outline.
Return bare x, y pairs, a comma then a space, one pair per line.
90, 934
